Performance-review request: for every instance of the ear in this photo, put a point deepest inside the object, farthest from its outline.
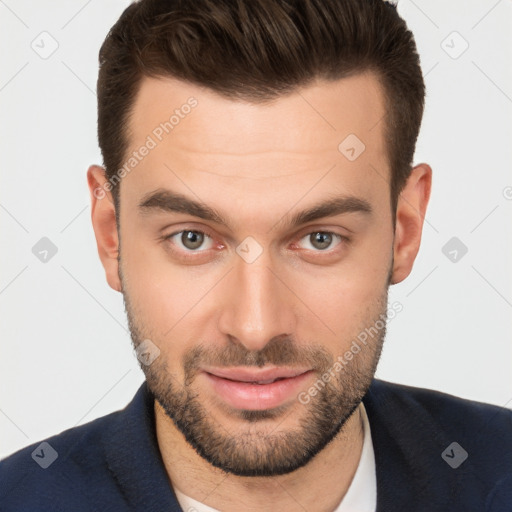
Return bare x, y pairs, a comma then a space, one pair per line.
410, 215
103, 216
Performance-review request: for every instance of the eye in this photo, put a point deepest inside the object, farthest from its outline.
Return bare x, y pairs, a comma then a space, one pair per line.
190, 240
321, 240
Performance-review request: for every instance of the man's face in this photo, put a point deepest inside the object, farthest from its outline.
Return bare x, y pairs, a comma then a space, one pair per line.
254, 293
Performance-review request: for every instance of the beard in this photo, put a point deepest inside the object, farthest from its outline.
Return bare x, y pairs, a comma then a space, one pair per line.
260, 449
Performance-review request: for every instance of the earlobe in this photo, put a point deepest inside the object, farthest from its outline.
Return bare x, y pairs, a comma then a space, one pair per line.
103, 216
410, 216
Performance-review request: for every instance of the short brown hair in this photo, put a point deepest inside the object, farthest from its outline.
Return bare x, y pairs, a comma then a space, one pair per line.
257, 50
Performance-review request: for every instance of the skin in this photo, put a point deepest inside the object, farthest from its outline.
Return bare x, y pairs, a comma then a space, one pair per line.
258, 165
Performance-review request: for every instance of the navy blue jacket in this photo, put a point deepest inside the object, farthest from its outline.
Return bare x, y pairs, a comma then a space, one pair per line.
434, 452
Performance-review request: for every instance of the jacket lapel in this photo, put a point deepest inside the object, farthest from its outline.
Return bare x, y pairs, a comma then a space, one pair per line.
408, 443
133, 457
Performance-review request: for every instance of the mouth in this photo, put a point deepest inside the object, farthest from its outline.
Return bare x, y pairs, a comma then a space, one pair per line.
256, 389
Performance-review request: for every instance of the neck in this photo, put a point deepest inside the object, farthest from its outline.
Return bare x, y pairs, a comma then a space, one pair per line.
319, 485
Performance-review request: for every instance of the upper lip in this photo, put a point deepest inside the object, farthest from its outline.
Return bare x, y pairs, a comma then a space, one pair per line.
244, 374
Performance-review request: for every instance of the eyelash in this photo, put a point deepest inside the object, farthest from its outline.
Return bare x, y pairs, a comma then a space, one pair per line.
192, 254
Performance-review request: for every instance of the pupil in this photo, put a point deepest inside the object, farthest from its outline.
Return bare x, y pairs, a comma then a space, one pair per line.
321, 240
192, 239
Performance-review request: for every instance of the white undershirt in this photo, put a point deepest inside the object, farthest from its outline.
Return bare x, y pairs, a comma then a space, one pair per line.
360, 497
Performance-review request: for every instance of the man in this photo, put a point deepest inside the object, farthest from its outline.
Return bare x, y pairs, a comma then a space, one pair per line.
256, 201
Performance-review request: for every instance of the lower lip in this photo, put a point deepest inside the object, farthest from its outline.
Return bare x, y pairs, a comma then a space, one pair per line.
257, 397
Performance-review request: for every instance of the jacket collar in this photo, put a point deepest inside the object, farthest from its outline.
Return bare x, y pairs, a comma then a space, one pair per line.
134, 459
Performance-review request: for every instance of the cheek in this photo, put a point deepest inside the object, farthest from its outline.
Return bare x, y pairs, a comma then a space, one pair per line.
348, 296
341, 306
150, 284
168, 298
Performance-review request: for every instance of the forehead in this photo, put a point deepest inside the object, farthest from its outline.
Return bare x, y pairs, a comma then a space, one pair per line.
210, 145
316, 115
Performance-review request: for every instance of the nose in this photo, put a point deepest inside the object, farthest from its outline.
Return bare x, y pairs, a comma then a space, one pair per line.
256, 305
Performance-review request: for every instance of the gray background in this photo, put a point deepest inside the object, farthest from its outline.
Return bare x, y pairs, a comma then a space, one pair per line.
66, 356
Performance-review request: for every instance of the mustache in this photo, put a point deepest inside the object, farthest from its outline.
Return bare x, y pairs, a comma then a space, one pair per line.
279, 351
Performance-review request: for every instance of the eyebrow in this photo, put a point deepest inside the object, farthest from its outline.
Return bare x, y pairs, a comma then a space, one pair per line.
168, 201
